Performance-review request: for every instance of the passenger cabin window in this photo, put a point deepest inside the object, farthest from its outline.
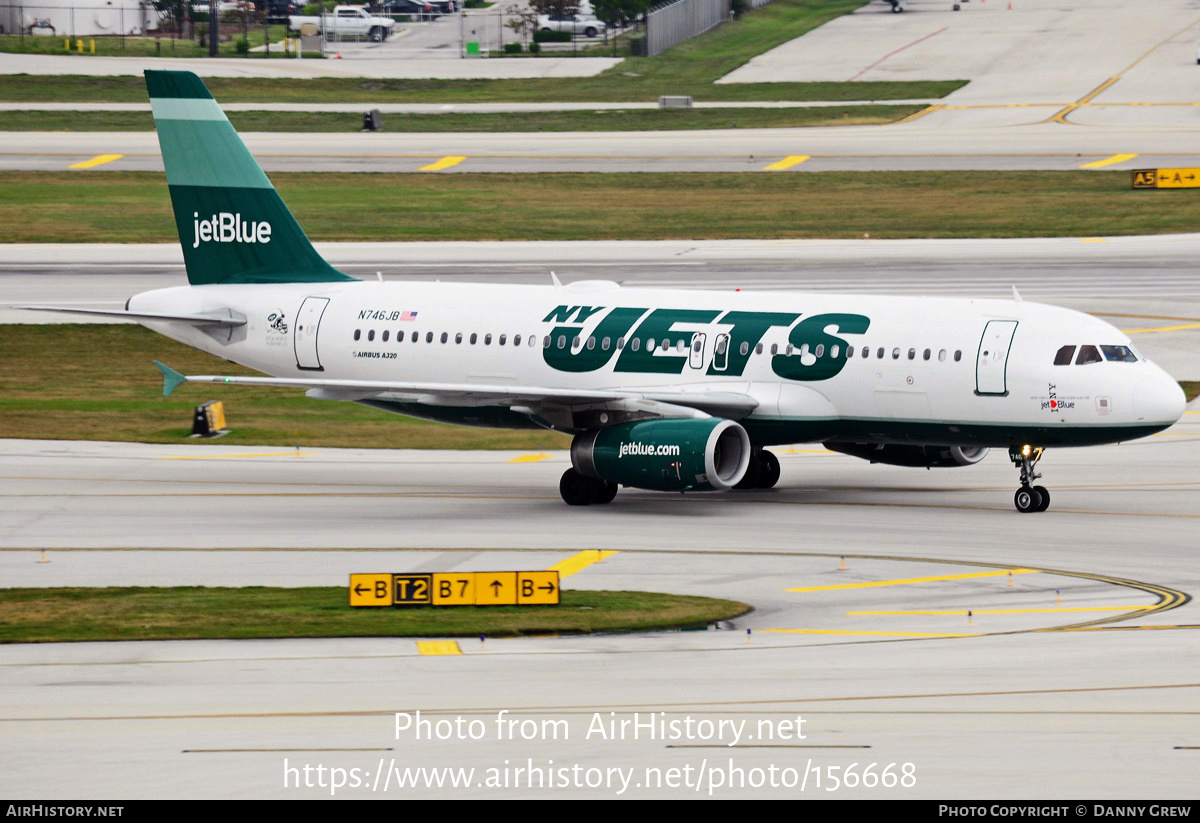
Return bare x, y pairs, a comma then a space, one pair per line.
957, 355
1087, 354
371, 334
357, 333
1119, 354
1064, 355
445, 336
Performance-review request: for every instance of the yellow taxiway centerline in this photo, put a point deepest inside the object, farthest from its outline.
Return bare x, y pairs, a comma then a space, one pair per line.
911, 580
787, 162
1163, 328
444, 163
961, 612
871, 634
1108, 161
530, 458
578, 562
438, 647
98, 160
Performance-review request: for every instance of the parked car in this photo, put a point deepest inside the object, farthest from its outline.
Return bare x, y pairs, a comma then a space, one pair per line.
347, 20
586, 24
413, 8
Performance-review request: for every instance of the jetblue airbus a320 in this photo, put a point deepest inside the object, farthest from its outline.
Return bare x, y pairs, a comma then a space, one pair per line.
663, 390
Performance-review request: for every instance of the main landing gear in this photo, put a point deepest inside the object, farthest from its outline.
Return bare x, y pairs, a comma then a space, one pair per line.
580, 490
1029, 498
762, 473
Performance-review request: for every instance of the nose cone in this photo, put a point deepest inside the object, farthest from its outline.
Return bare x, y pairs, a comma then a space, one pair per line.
1158, 399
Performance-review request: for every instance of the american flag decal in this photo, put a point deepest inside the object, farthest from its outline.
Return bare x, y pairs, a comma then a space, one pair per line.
408, 315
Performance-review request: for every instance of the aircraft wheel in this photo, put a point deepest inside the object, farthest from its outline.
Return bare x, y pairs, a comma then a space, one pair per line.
1027, 500
750, 480
956, 7
576, 489
770, 471
1044, 493
606, 490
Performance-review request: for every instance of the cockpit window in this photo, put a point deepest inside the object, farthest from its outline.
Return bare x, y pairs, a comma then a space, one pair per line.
1119, 354
1063, 358
1087, 354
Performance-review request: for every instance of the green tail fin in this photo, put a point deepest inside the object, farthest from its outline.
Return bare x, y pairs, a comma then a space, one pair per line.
232, 225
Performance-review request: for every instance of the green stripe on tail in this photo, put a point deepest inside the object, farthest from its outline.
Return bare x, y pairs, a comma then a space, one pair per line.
232, 224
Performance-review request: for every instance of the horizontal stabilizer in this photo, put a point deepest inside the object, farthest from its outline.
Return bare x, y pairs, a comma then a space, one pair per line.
171, 378
225, 319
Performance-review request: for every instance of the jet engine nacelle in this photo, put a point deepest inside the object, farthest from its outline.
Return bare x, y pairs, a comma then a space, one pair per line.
666, 455
917, 456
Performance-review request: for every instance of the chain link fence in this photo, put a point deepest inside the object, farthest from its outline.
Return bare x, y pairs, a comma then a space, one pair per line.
668, 24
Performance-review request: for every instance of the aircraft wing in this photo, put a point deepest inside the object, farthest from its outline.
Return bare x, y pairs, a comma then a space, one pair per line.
731, 405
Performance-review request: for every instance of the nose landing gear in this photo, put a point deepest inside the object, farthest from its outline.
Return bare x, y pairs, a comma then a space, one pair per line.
1029, 498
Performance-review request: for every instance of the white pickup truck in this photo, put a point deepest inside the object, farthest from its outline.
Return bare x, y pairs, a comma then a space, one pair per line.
347, 20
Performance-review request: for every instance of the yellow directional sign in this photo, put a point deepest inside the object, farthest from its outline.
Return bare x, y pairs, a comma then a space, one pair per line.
370, 590
454, 589
537, 589
412, 589
495, 588
1166, 178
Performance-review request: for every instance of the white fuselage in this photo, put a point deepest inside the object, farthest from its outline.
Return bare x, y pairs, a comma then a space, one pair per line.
952, 370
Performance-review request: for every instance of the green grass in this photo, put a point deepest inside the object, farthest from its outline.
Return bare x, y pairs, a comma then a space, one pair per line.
133, 207
690, 68
164, 46
194, 612
1191, 388
560, 121
96, 382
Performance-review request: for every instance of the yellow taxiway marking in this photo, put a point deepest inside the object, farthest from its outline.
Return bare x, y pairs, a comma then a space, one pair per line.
787, 162
438, 647
1163, 328
98, 160
911, 580
1093, 239
444, 163
870, 634
961, 612
579, 562
530, 458
1108, 161
229, 456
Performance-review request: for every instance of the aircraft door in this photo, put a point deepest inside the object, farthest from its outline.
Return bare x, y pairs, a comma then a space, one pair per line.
696, 356
308, 321
991, 366
721, 353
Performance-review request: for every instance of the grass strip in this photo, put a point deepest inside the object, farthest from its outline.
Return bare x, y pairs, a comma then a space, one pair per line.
163, 46
555, 121
1191, 388
96, 382
134, 207
689, 68
54, 615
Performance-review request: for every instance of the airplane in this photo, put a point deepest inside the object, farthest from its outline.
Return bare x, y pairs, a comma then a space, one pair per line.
666, 390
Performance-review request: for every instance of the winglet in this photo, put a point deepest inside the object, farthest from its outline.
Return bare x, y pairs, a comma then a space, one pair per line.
1016, 294
171, 378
